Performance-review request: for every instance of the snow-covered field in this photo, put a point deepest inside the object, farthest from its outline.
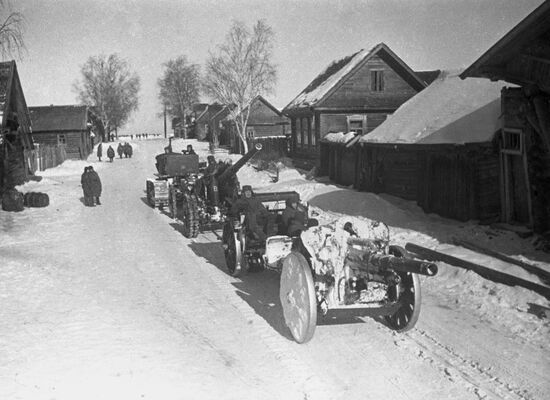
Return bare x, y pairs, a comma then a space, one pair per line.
112, 302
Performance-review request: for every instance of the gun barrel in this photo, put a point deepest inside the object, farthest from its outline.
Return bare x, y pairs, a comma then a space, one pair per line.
240, 163
401, 264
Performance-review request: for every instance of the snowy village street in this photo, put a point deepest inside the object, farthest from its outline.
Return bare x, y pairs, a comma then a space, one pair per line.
113, 302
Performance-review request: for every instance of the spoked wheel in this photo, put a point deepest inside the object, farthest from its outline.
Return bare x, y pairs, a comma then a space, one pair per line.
297, 294
190, 216
232, 250
408, 296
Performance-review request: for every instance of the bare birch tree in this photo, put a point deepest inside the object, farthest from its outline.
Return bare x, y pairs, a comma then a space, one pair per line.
110, 88
241, 69
11, 31
179, 86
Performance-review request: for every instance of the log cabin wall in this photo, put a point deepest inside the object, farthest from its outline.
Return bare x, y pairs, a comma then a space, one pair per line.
459, 182
358, 90
75, 142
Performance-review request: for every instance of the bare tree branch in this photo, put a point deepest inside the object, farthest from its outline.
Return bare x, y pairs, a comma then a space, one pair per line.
242, 69
12, 25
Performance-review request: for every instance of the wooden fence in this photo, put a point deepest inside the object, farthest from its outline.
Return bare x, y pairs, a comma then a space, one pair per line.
47, 156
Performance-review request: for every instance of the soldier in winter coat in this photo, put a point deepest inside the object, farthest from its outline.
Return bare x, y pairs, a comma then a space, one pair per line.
99, 151
128, 151
256, 214
111, 153
120, 150
95, 184
294, 218
86, 188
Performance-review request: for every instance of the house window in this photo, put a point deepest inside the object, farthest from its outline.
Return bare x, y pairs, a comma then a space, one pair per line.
312, 130
377, 80
305, 131
512, 141
61, 139
249, 132
298, 132
357, 123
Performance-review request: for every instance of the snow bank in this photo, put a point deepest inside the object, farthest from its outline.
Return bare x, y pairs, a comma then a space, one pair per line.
339, 137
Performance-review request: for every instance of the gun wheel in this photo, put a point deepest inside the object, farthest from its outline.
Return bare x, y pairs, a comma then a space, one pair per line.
407, 295
190, 217
232, 250
297, 295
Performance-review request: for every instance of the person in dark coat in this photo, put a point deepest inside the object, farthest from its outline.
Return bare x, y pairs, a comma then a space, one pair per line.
294, 218
111, 153
86, 187
189, 150
99, 150
95, 185
256, 214
120, 150
128, 151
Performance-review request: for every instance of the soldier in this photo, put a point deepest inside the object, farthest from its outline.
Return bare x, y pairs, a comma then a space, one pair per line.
120, 150
95, 185
128, 150
111, 153
99, 151
256, 214
294, 217
86, 188
189, 150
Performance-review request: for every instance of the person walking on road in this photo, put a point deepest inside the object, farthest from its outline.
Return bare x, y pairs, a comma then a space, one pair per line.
120, 150
111, 153
99, 150
128, 151
86, 188
95, 185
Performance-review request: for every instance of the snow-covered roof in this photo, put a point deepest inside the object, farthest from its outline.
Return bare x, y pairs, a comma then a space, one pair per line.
450, 110
337, 71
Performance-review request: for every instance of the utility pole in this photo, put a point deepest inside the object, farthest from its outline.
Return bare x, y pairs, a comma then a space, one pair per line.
165, 120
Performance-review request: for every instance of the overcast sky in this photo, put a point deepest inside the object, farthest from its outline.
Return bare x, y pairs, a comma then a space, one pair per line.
427, 34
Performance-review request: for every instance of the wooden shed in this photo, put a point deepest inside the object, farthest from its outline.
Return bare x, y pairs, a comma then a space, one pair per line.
522, 57
69, 125
355, 93
16, 141
439, 149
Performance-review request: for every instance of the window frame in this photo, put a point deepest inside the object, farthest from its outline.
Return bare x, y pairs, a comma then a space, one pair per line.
377, 83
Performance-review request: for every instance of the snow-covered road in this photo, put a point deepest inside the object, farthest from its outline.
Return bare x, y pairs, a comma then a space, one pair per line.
113, 302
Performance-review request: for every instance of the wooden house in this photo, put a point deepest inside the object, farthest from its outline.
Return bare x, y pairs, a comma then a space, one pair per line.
438, 149
69, 125
15, 138
522, 57
264, 121
355, 93
202, 122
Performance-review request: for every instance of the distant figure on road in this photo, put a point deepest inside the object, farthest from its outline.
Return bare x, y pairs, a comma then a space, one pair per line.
128, 150
120, 150
99, 151
111, 153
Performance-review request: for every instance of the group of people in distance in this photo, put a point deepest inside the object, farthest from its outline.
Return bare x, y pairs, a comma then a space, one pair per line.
122, 149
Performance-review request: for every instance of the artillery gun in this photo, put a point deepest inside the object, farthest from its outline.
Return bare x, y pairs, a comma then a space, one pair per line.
345, 268
196, 198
